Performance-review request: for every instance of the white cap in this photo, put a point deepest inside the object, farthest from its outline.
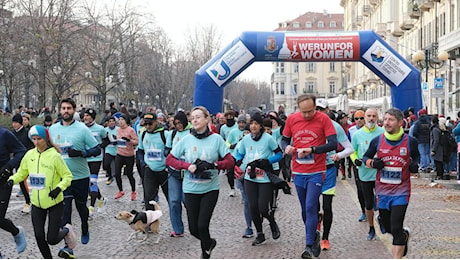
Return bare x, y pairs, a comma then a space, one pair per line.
322, 103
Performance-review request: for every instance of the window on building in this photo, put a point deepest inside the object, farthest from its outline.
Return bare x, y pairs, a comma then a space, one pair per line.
332, 24
296, 67
294, 89
281, 88
296, 25
280, 67
332, 87
310, 67
308, 25
332, 67
309, 86
320, 24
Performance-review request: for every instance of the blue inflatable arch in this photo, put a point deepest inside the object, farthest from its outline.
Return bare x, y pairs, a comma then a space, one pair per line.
364, 46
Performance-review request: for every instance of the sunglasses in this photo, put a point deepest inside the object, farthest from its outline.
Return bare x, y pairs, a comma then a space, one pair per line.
359, 118
149, 123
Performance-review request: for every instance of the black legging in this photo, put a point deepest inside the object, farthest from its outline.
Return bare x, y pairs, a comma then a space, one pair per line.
6, 224
393, 220
94, 191
121, 160
368, 192
259, 196
359, 188
55, 233
327, 215
25, 191
199, 212
109, 164
439, 168
152, 182
231, 177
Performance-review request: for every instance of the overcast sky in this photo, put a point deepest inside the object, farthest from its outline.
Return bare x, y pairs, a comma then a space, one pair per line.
177, 17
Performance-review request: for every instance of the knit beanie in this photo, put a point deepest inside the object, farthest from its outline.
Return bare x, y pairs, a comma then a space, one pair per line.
17, 118
182, 117
91, 112
258, 118
126, 118
39, 130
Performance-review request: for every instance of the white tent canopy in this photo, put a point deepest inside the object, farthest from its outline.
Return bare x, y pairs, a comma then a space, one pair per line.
342, 102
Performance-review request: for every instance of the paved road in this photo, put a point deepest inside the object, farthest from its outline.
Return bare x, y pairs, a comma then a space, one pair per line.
433, 216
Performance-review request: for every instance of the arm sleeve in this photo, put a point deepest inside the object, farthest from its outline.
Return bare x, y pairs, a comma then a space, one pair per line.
276, 157
347, 151
226, 163
95, 151
176, 163
285, 141
329, 146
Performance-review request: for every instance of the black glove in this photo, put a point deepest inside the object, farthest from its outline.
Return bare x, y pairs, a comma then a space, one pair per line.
238, 163
126, 139
54, 193
5, 173
74, 153
413, 167
377, 163
264, 164
203, 165
10, 183
252, 172
201, 171
232, 146
105, 142
358, 162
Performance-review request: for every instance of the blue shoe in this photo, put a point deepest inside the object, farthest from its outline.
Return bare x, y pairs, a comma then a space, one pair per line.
66, 253
382, 228
371, 235
363, 218
20, 240
85, 238
248, 233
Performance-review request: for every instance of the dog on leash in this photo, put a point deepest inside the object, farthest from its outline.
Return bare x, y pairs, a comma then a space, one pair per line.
141, 221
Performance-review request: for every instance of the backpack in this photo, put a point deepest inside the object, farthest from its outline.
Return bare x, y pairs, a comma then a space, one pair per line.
448, 144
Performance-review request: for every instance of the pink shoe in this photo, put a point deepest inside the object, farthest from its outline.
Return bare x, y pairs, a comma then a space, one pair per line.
119, 194
133, 195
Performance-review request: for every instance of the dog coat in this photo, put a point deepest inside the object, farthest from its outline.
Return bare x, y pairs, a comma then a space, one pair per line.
147, 217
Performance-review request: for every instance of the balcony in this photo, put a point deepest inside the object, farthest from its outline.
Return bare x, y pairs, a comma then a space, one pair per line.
374, 2
414, 10
406, 22
359, 20
381, 29
366, 10
395, 30
426, 5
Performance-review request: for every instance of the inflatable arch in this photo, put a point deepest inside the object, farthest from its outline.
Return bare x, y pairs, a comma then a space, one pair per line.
364, 46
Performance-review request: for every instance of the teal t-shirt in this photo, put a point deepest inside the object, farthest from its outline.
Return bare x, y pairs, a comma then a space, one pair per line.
111, 148
234, 137
98, 133
225, 130
78, 137
277, 135
153, 147
253, 150
209, 149
360, 142
341, 137
172, 141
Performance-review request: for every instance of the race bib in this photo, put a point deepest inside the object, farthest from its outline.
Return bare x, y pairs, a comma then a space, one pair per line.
260, 174
121, 143
391, 175
309, 159
65, 147
37, 181
153, 154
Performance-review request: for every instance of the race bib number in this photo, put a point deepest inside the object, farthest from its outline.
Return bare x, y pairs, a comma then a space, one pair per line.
121, 143
37, 181
391, 175
260, 174
153, 154
309, 159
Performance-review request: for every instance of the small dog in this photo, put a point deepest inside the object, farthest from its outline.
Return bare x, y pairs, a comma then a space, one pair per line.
141, 221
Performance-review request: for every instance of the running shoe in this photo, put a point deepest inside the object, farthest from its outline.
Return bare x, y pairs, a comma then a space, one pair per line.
325, 245
307, 253
26, 208
70, 238
406, 231
206, 254
84, 237
248, 233
133, 195
231, 193
260, 239
20, 240
316, 247
119, 195
109, 180
101, 204
66, 253
275, 230
174, 234
20, 194
371, 235
91, 211
363, 218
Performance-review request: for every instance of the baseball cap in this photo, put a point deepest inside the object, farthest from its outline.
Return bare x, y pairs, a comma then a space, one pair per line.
322, 103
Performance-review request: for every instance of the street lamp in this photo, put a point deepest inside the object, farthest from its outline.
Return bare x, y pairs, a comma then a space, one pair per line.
430, 59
